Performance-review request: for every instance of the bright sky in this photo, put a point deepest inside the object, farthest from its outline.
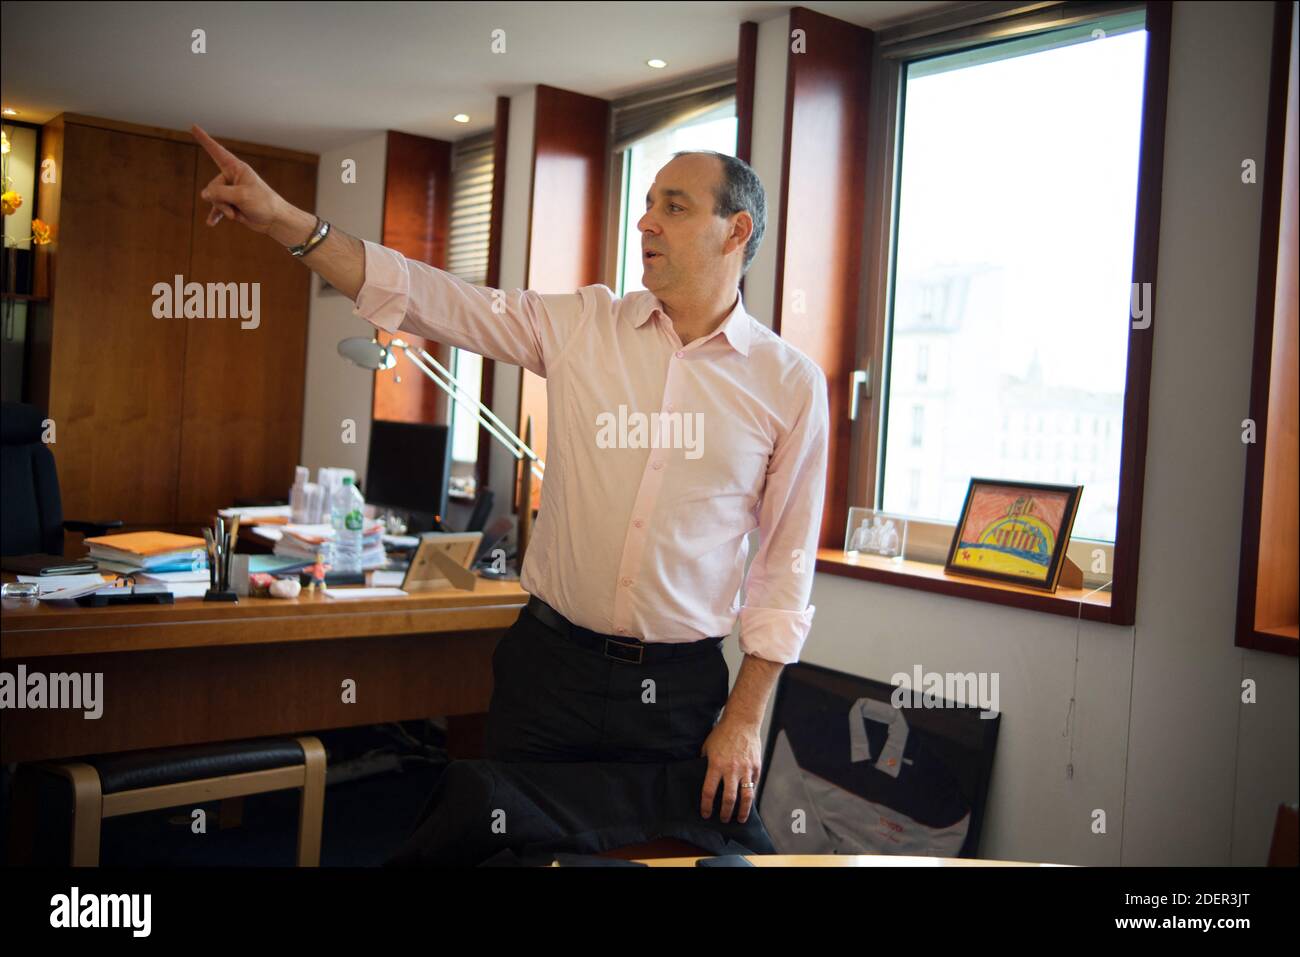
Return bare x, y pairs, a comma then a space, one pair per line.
1031, 163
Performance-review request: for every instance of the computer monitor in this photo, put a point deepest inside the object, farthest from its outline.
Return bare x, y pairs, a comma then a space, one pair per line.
408, 470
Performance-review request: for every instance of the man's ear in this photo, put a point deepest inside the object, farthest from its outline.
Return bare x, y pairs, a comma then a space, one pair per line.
742, 227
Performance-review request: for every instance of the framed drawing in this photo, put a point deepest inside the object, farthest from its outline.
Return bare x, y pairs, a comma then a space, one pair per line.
1014, 532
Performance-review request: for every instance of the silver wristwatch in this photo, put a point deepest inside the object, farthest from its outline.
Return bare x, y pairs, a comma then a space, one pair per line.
315, 239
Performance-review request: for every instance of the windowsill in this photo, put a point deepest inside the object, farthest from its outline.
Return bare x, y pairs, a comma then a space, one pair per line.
931, 577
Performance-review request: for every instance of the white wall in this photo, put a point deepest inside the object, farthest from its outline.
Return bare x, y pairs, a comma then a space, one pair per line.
514, 265
1157, 735
1205, 773
335, 388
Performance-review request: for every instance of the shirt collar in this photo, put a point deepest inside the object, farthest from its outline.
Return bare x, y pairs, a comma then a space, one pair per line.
735, 327
890, 760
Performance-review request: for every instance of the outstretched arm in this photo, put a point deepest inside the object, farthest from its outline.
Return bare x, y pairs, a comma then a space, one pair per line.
239, 194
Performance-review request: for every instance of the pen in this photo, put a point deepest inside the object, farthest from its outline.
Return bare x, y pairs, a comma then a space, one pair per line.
234, 543
221, 553
212, 558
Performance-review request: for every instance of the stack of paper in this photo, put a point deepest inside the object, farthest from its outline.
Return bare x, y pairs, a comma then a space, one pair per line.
154, 551
250, 515
305, 541
66, 586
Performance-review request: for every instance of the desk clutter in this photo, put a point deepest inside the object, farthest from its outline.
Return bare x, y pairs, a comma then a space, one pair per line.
321, 540
161, 567
305, 542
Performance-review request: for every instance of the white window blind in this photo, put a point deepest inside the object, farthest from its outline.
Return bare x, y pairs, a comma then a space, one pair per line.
471, 208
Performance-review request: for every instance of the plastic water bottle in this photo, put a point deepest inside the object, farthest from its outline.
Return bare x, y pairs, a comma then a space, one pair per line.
347, 514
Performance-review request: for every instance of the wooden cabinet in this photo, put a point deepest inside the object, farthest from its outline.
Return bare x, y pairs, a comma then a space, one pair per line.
160, 421
241, 428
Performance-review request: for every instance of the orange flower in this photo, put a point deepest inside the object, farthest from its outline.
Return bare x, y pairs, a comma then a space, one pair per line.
40, 232
10, 201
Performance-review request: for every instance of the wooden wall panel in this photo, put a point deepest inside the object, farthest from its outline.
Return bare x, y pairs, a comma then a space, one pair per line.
566, 218
746, 63
243, 387
417, 218
823, 207
114, 379
487, 381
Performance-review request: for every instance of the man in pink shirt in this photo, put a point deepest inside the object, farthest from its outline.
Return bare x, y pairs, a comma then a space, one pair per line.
677, 424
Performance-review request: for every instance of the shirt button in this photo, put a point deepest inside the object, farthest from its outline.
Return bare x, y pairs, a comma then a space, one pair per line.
656, 465
638, 523
621, 631
680, 353
627, 582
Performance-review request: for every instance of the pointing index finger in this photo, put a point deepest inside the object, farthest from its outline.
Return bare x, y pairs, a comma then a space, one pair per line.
225, 160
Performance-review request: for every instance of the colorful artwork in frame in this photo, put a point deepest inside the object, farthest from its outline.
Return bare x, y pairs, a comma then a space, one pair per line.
1014, 531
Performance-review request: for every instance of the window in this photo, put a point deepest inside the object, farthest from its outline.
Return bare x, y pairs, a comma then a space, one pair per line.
1013, 236
467, 257
714, 130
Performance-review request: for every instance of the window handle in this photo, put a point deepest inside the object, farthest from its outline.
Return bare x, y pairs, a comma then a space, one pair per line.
860, 379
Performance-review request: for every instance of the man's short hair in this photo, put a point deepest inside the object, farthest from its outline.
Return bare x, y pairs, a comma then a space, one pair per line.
740, 189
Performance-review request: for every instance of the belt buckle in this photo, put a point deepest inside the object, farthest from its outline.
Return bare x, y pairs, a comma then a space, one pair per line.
640, 651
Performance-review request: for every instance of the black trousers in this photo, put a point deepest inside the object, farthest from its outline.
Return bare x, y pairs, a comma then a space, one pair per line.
583, 754
555, 700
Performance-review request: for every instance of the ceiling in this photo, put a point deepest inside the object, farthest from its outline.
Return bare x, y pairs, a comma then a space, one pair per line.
315, 76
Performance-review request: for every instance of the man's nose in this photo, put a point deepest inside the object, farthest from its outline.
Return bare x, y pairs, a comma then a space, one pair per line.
647, 224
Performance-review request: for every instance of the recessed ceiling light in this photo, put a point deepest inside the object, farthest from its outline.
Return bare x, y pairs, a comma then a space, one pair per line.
656, 63
461, 118
9, 112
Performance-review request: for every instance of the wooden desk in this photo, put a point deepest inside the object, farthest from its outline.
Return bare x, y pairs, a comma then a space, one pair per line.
198, 671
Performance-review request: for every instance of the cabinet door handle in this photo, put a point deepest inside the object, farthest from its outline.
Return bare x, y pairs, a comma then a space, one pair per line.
860, 380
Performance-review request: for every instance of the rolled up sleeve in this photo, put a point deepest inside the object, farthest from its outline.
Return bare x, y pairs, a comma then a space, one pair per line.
776, 617
521, 327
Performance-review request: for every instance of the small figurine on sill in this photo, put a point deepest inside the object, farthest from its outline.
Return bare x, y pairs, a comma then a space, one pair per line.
317, 572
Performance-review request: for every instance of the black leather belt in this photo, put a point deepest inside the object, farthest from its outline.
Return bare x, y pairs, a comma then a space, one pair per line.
631, 651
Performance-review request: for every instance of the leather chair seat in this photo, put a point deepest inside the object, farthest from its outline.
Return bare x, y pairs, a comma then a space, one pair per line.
132, 770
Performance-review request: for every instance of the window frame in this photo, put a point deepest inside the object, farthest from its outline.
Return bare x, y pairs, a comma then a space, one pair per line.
619, 169
892, 50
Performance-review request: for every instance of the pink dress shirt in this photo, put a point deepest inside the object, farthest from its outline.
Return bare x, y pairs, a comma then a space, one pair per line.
643, 533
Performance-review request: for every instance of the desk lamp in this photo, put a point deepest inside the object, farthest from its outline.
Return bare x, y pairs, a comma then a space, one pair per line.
374, 355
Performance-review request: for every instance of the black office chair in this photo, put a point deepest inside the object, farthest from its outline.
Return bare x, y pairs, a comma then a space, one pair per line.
29, 487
